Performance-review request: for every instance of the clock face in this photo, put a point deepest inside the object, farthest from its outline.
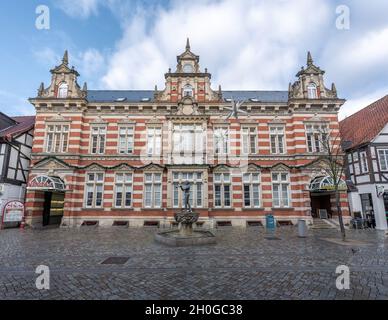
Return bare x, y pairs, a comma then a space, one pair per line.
188, 68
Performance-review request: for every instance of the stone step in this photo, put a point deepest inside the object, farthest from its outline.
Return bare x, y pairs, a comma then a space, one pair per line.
321, 224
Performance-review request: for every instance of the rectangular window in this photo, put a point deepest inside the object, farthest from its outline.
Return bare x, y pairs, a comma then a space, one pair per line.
94, 190
280, 190
221, 141
123, 190
98, 138
383, 159
277, 139
57, 138
251, 182
222, 196
126, 140
249, 140
196, 190
364, 162
188, 138
317, 136
153, 190
154, 141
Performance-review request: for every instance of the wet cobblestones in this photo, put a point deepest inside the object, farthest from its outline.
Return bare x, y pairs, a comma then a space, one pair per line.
242, 265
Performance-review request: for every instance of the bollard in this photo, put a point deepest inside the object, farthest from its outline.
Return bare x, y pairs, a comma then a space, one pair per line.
302, 228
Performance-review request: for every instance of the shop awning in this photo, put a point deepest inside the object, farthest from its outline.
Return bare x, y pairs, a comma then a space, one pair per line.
324, 184
47, 183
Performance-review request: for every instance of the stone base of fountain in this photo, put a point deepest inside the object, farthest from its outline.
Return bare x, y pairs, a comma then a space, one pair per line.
186, 235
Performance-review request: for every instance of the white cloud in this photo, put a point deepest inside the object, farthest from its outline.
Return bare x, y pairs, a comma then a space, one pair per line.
79, 8
245, 44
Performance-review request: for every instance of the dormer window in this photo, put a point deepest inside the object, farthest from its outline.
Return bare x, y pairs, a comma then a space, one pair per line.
188, 68
188, 91
312, 92
63, 90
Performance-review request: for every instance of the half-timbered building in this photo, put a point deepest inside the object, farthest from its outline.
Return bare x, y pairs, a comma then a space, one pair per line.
118, 157
16, 135
365, 141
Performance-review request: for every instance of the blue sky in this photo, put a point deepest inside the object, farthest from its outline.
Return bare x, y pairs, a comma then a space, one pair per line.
246, 44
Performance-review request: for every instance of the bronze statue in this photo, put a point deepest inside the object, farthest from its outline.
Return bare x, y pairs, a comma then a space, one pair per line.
185, 187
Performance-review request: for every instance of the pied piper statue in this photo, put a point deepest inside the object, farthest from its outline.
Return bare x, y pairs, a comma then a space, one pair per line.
185, 187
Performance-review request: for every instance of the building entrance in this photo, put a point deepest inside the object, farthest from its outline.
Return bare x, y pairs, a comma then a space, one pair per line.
54, 204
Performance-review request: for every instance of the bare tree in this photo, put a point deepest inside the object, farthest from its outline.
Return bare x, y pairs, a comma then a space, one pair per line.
334, 168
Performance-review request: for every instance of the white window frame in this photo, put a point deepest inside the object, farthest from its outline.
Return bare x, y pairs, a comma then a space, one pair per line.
364, 162
249, 140
126, 140
275, 132
383, 159
123, 180
253, 181
57, 132
154, 141
223, 181
315, 130
196, 178
221, 139
192, 131
155, 183
312, 91
99, 137
280, 182
188, 91
96, 184
63, 90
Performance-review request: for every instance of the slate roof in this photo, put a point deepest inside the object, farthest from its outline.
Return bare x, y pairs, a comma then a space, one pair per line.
23, 124
363, 126
138, 95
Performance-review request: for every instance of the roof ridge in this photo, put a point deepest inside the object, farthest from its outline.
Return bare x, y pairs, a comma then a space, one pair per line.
364, 109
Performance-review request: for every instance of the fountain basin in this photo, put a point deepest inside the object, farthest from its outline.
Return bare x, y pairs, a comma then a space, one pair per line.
175, 238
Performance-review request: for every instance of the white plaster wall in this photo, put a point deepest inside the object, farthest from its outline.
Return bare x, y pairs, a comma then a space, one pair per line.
378, 205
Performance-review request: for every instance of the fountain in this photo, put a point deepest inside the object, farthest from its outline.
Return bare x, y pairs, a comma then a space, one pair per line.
186, 235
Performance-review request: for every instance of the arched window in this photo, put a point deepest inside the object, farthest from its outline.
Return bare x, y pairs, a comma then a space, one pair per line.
312, 91
62, 90
188, 91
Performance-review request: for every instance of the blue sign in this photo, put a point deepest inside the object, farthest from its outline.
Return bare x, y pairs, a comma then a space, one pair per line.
270, 222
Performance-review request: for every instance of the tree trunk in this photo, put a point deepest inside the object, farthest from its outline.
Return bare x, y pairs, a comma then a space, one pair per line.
339, 210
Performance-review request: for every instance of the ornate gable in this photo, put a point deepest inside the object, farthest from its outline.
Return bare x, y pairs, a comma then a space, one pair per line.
63, 83
51, 163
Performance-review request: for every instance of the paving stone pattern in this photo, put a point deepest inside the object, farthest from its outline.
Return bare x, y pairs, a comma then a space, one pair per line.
242, 265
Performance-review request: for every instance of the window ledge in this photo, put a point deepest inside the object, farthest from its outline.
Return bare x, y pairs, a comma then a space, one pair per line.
93, 209
253, 209
283, 209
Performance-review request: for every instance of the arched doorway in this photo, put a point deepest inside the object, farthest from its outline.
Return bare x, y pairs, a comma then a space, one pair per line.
322, 194
53, 189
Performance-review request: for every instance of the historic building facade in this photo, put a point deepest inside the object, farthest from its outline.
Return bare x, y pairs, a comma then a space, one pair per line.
365, 141
118, 157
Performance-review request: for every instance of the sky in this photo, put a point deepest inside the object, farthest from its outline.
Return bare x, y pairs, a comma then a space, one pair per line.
245, 44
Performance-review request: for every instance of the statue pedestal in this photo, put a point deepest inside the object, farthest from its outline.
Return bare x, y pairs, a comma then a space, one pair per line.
186, 235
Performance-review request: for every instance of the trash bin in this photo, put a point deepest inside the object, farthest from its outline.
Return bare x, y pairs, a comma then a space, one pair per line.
302, 229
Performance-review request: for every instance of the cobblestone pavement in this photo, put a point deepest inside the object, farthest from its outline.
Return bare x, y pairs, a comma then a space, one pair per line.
243, 265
